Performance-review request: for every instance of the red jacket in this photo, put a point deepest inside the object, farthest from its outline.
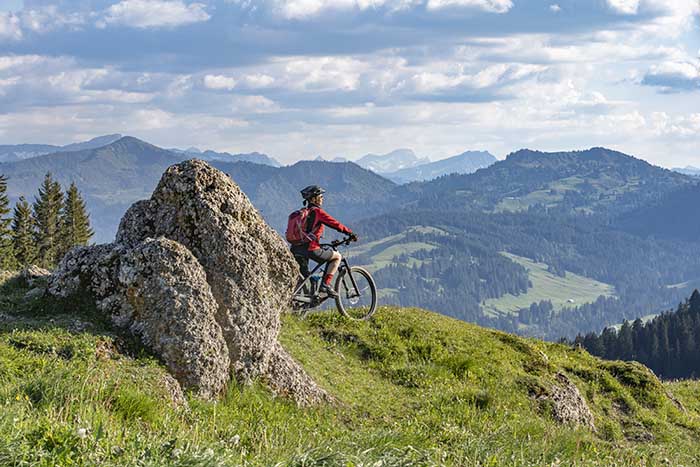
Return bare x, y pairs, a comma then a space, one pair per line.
319, 219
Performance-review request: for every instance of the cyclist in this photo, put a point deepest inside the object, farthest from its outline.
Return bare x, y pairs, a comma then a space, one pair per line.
316, 219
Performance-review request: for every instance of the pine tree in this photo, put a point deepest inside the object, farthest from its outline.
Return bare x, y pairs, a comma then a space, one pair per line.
6, 256
75, 221
47, 212
23, 234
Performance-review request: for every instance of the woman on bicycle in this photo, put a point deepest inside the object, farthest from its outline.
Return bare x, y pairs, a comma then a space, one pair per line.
316, 221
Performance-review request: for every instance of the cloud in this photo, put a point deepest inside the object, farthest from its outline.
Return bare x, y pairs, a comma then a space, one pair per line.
674, 77
555, 8
624, 7
219, 82
492, 6
47, 18
10, 27
154, 13
304, 9
258, 81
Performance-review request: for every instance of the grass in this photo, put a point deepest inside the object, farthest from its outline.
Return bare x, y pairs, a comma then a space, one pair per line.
548, 286
386, 251
414, 388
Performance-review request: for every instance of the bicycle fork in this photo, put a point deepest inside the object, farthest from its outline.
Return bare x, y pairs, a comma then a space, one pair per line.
352, 279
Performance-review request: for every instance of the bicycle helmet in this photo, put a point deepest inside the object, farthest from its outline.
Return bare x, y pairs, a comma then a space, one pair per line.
311, 191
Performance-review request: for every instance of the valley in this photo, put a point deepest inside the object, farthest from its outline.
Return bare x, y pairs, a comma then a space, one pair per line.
573, 224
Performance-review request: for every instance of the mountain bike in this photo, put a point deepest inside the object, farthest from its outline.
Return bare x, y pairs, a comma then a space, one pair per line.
357, 293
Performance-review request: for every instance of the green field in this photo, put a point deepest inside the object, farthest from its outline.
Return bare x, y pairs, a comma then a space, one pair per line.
413, 388
570, 291
387, 250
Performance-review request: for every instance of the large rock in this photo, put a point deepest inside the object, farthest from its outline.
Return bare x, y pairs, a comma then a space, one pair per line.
249, 267
158, 292
198, 275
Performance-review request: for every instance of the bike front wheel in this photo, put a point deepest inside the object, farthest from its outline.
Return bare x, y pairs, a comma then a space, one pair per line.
357, 293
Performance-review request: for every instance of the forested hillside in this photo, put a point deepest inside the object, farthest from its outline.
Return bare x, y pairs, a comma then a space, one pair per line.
675, 216
593, 237
669, 344
459, 271
596, 180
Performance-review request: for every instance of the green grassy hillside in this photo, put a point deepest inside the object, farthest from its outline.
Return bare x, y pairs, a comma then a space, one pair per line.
413, 388
570, 291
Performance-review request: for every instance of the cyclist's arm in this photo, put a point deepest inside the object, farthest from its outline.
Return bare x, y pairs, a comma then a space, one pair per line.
326, 219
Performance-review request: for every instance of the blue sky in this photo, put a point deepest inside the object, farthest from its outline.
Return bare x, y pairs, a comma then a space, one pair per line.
301, 78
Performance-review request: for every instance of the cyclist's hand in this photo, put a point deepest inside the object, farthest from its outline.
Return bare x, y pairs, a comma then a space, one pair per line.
353, 237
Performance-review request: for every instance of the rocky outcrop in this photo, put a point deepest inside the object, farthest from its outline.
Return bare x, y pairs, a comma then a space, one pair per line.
199, 276
568, 406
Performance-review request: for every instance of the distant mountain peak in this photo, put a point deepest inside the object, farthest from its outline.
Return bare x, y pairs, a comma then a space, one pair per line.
464, 163
392, 161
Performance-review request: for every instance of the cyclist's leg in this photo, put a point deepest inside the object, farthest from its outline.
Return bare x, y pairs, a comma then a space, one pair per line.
332, 260
332, 267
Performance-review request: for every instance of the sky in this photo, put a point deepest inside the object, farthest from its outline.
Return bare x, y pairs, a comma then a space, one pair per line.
300, 78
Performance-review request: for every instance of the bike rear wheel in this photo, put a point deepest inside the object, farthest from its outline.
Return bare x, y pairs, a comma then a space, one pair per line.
356, 303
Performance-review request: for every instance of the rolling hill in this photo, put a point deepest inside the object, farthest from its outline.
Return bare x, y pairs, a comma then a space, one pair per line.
413, 388
597, 180
112, 177
676, 216
16, 152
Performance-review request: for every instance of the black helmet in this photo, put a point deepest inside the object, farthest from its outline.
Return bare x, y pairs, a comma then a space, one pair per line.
311, 191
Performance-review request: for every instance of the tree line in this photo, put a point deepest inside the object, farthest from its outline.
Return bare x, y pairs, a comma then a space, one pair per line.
43, 232
669, 344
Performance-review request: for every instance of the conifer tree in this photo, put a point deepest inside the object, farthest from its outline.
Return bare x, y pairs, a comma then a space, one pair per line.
23, 234
47, 212
75, 221
6, 256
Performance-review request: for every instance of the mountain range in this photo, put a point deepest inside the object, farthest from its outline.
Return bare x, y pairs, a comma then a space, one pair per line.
688, 170
403, 166
485, 246
465, 163
211, 156
9, 153
392, 161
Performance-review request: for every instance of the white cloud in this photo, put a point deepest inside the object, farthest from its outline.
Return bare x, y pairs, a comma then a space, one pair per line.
48, 18
493, 6
674, 76
555, 8
219, 82
154, 13
258, 80
625, 7
10, 26
10, 62
302, 9
253, 104
324, 73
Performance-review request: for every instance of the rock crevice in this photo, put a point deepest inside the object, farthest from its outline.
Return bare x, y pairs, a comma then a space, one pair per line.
198, 275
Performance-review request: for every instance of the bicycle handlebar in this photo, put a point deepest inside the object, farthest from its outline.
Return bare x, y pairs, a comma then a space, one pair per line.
337, 243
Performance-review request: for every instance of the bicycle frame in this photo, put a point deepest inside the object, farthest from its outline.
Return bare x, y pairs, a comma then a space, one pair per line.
314, 299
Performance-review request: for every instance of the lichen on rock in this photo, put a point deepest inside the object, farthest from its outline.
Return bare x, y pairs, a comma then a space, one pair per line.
199, 276
568, 406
